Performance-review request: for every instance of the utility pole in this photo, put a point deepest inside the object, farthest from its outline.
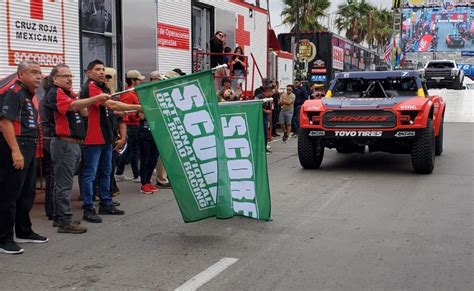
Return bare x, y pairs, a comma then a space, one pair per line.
297, 39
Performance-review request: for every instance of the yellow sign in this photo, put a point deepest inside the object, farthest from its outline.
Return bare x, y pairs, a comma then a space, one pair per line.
306, 51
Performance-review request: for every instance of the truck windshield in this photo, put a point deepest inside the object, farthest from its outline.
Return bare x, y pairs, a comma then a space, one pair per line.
375, 88
436, 65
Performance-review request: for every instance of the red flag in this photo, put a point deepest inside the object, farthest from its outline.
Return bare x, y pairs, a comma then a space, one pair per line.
425, 43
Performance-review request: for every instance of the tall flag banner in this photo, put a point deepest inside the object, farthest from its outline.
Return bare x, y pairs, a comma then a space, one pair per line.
244, 143
388, 52
183, 117
214, 154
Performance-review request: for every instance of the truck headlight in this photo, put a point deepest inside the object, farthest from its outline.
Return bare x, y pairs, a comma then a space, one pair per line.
454, 72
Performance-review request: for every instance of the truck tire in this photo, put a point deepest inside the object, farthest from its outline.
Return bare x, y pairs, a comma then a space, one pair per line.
310, 151
423, 150
439, 139
457, 83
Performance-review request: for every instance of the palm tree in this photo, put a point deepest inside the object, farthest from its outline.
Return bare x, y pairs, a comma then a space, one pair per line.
353, 18
383, 28
310, 13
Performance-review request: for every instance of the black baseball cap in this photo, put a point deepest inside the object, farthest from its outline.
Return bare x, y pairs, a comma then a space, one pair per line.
177, 70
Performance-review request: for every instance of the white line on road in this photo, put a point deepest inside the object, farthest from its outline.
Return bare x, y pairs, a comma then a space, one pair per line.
205, 276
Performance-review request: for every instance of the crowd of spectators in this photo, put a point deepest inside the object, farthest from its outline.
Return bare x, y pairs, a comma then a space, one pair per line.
87, 134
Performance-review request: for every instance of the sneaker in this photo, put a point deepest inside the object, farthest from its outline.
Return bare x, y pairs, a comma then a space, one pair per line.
153, 188
145, 189
285, 137
137, 180
121, 178
110, 210
32, 238
57, 224
294, 135
10, 248
268, 147
72, 228
163, 185
115, 203
91, 216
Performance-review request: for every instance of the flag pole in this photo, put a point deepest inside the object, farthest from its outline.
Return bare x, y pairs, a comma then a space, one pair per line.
219, 67
264, 100
121, 92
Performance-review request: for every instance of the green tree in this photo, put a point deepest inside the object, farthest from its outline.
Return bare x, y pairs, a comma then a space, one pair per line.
353, 18
310, 13
383, 28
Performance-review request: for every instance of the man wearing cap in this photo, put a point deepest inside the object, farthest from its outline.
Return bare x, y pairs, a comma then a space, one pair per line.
132, 121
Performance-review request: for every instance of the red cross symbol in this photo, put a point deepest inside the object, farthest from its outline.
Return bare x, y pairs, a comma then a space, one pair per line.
242, 37
36, 9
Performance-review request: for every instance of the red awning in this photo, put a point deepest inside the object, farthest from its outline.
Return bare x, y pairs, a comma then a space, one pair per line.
273, 40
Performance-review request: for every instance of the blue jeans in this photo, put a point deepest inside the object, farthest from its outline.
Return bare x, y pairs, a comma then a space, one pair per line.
93, 155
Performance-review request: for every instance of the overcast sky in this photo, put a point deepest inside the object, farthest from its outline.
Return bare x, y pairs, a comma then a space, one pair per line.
276, 6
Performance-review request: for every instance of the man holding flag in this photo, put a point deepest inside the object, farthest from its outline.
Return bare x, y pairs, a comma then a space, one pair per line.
98, 144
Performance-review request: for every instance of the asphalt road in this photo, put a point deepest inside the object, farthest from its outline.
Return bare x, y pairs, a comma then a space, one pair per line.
360, 222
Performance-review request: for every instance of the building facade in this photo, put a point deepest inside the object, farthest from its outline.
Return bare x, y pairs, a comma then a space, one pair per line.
146, 35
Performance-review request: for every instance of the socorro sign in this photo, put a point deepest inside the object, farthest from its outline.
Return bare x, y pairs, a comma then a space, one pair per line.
40, 37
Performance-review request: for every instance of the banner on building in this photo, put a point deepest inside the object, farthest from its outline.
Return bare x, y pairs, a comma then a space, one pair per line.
337, 58
205, 155
37, 35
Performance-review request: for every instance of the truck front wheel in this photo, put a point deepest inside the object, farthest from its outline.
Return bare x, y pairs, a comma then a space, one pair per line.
423, 150
310, 151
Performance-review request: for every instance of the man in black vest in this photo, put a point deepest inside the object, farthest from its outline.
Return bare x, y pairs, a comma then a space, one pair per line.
19, 126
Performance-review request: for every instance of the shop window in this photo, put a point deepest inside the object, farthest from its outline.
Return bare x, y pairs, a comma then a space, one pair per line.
98, 32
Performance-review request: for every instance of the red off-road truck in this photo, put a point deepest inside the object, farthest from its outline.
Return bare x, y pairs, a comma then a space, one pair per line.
389, 111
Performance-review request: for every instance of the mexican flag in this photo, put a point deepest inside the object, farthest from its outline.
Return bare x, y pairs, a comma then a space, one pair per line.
204, 153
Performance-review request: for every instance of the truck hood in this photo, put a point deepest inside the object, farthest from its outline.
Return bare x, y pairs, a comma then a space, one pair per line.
347, 103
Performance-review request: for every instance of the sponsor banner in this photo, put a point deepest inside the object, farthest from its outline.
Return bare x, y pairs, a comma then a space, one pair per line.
337, 58
467, 53
362, 134
242, 125
172, 36
37, 36
183, 115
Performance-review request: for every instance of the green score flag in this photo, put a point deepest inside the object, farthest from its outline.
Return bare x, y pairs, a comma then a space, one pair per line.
183, 116
214, 154
244, 143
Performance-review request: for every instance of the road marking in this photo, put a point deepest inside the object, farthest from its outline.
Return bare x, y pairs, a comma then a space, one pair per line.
205, 276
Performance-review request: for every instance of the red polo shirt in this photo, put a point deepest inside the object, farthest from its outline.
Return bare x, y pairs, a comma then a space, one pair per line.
131, 98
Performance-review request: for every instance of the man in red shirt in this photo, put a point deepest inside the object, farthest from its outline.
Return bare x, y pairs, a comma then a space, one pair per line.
19, 135
132, 121
97, 148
